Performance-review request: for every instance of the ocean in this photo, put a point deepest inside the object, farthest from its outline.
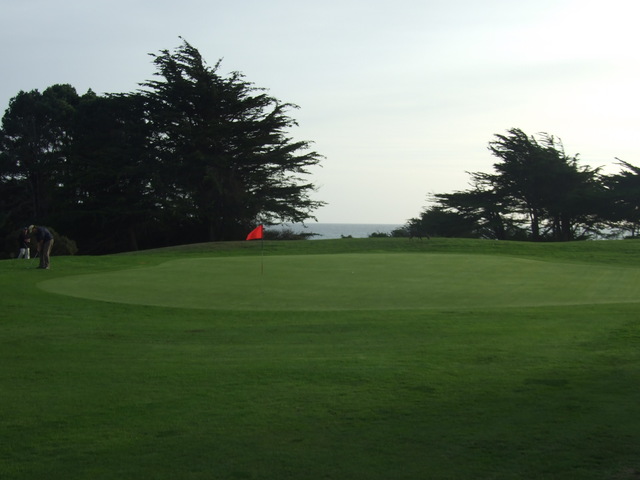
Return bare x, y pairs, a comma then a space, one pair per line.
326, 231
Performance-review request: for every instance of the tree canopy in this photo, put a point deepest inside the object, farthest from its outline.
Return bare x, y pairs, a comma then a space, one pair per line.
537, 192
193, 155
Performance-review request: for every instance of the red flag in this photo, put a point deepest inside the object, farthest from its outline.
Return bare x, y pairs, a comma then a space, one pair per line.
256, 233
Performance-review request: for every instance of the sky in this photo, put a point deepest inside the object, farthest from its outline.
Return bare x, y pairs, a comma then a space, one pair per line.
401, 97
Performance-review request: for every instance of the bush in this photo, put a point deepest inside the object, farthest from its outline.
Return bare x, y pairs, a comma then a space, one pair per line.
61, 245
402, 232
287, 234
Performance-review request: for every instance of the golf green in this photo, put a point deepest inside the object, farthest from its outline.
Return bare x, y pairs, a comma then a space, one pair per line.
357, 282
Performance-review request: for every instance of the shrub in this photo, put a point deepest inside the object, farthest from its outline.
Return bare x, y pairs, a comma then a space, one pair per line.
402, 232
287, 234
61, 245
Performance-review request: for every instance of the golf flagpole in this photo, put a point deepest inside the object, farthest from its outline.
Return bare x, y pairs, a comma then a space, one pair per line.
258, 234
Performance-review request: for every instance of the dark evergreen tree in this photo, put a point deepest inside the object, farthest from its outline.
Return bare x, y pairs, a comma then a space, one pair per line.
539, 180
520, 176
437, 221
537, 192
483, 207
106, 187
34, 140
194, 156
622, 208
223, 158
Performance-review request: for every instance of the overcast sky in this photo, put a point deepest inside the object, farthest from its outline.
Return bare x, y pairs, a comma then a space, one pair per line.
400, 96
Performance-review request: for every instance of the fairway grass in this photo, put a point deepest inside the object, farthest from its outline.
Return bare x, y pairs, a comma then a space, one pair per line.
369, 359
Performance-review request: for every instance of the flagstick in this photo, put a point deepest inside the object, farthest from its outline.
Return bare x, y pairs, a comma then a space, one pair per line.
262, 256
255, 234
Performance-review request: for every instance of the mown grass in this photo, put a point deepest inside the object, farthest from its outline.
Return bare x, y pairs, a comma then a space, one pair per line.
106, 390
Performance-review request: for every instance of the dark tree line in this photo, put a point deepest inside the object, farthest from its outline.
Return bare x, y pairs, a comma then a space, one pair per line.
192, 156
536, 192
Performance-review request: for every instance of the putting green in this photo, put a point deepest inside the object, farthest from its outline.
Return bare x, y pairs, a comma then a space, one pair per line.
357, 281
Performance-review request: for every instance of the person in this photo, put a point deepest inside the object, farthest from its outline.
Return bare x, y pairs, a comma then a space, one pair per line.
45, 242
25, 241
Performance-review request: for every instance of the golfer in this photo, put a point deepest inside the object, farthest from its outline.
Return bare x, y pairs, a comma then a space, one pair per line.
24, 241
45, 242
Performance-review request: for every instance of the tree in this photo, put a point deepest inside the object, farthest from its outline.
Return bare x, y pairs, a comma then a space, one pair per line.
481, 206
536, 191
623, 194
572, 200
540, 181
520, 174
222, 155
34, 141
106, 186
192, 156
437, 221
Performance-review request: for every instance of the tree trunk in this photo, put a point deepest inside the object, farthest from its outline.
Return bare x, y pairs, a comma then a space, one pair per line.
535, 226
133, 240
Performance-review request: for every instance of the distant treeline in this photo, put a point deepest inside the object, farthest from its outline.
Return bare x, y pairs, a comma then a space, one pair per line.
536, 192
192, 156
